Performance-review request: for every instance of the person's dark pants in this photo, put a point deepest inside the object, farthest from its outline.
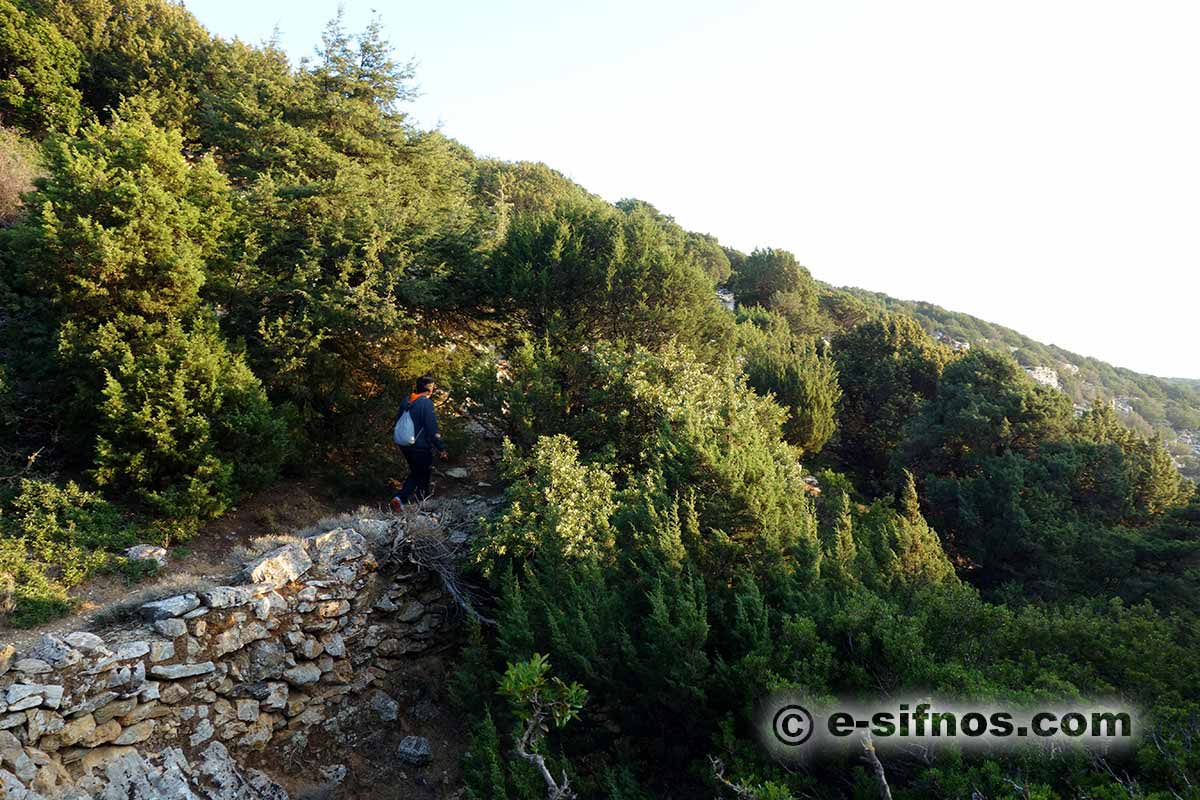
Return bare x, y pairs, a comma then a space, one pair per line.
420, 467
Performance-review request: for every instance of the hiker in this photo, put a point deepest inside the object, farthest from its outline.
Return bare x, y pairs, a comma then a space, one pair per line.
424, 440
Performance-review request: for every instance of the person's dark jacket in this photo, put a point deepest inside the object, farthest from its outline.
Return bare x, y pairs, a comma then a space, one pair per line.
424, 423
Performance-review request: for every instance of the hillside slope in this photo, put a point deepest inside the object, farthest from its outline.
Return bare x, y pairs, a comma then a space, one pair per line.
1169, 407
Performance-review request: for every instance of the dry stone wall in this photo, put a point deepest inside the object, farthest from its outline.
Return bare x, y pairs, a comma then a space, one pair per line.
170, 707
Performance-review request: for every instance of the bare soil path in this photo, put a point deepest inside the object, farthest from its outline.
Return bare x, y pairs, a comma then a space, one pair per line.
213, 554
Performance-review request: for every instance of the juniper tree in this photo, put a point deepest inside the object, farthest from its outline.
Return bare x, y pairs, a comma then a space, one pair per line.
586, 272
910, 504
887, 368
767, 272
841, 551
151, 49
801, 377
38, 71
124, 228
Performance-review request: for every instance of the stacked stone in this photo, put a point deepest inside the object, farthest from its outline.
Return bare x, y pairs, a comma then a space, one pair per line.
249, 666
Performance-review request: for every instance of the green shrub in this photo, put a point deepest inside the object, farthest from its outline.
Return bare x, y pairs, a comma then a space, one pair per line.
887, 369
39, 68
587, 272
36, 596
483, 762
554, 501
185, 427
801, 377
774, 279
53, 537
126, 228
50, 515
669, 423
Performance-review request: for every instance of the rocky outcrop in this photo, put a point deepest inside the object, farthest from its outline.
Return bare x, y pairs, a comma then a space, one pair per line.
169, 709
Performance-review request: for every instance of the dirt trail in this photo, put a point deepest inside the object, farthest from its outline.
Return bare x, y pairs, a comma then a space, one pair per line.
213, 554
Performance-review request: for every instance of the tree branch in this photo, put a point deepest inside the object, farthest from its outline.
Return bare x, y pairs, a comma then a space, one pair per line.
885, 791
554, 791
742, 791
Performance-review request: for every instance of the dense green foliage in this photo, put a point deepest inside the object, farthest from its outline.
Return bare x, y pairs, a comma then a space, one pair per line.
124, 228
584, 271
1150, 404
231, 267
1034, 495
774, 279
888, 368
622, 553
40, 68
798, 372
56, 537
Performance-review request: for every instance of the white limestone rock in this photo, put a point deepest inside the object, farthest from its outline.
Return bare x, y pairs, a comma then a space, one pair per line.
336, 546
173, 672
147, 552
169, 607
281, 566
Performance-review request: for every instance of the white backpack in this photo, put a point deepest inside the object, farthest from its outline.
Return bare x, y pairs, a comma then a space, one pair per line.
404, 434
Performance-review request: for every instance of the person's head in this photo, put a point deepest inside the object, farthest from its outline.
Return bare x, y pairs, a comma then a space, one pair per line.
425, 383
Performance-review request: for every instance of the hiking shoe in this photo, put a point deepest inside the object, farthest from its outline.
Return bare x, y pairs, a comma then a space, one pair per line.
397, 504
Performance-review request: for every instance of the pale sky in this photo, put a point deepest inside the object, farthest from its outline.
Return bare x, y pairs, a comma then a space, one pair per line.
1036, 164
